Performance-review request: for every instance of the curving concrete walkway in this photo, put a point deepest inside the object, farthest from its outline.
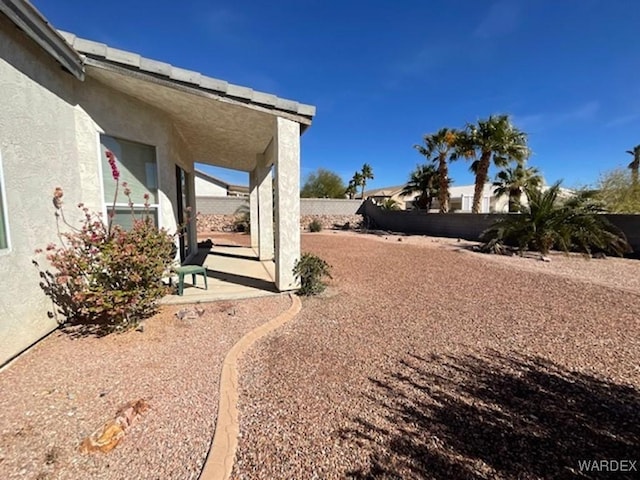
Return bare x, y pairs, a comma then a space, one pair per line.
219, 462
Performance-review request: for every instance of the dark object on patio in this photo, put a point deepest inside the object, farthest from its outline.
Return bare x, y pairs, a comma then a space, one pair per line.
342, 226
208, 244
192, 270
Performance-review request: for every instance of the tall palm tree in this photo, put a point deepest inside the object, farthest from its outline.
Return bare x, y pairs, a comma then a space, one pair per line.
513, 181
351, 189
440, 147
634, 166
424, 180
366, 174
356, 181
492, 139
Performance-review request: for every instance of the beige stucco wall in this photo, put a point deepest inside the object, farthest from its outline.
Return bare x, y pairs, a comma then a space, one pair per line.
205, 188
49, 136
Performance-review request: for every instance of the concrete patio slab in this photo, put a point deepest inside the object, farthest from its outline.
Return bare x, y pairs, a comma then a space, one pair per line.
233, 272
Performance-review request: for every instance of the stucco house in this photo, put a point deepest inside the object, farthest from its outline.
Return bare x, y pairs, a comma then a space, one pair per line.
460, 198
65, 100
209, 186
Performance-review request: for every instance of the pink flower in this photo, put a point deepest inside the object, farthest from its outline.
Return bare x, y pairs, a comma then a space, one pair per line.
111, 158
57, 198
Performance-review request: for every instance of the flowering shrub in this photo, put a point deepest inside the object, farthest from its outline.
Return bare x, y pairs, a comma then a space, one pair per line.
107, 278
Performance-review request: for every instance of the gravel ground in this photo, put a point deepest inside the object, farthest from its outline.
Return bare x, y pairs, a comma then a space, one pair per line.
424, 360
63, 389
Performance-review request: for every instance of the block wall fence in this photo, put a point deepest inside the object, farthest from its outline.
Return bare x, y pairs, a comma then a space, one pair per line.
467, 226
308, 206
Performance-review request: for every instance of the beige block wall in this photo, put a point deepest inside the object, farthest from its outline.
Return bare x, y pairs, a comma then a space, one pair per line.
49, 136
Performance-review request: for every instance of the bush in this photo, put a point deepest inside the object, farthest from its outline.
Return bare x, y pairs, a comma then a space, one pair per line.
546, 223
107, 278
315, 225
390, 204
242, 220
311, 270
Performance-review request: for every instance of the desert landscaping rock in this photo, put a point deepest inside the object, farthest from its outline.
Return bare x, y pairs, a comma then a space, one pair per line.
57, 393
424, 359
225, 223
433, 361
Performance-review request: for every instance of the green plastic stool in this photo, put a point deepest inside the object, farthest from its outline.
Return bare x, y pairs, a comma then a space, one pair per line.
192, 270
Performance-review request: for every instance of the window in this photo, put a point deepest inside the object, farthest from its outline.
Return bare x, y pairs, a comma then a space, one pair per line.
138, 168
4, 233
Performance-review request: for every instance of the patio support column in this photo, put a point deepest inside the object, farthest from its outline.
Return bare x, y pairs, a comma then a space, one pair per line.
253, 207
265, 208
287, 165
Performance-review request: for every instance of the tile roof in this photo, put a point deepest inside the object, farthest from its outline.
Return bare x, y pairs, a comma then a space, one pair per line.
133, 61
24, 15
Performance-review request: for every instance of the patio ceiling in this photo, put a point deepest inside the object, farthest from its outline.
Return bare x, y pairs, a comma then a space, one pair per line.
223, 124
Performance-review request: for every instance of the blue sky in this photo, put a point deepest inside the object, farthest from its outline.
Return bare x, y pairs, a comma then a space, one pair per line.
383, 73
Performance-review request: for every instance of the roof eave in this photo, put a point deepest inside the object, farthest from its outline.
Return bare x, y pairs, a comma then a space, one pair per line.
233, 97
211, 178
31, 21
129, 63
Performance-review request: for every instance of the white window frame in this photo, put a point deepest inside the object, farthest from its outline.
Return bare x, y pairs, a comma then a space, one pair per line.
4, 214
106, 207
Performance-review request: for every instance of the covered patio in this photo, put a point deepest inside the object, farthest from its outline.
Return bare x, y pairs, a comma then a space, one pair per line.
233, 272
216, 123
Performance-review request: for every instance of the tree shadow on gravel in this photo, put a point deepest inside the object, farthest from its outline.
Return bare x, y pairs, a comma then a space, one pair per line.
494, 417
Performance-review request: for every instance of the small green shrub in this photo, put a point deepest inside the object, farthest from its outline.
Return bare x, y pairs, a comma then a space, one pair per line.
315, 225
106, 278
311, 270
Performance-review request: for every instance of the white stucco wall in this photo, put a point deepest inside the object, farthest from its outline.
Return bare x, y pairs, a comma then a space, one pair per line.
49, 136
205, 188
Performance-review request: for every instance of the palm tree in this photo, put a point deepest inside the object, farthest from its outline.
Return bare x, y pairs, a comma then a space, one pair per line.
634, 166
512, 181
357, 181
366, 174
440, 147
424, 180
576, 224
351, 189
390, 204
492, 139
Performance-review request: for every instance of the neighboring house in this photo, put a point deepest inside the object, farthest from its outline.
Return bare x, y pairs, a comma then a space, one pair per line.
209, 186
66, 100
379, 195
460, 198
